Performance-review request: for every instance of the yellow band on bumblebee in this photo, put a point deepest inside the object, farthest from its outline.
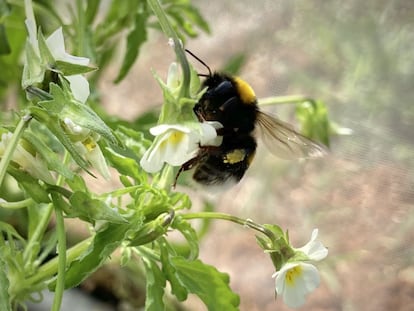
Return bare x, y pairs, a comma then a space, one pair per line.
245, 91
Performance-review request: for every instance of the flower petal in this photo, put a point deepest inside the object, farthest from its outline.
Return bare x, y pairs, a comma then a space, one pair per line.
79, 86
314, 249
209, 134
97, 160
162, 128
294, 281
56, 45
152, 160
311, 278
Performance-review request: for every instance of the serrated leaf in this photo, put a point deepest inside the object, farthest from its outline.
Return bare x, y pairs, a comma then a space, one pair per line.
5, 303
211, 285
81, 114
91, 210
178, 289
69, 69
155, 286
52, 123
135, 39
189, 234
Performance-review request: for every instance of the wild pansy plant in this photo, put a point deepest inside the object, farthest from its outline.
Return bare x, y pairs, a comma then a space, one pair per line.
59, 139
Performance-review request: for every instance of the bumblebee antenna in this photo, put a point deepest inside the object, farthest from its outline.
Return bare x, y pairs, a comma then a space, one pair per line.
203, 63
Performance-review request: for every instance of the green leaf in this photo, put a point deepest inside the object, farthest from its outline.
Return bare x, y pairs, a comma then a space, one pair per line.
189, 234
235, 63
135, 39
4, 287
45, 54
50, 157
211, 285
170, 271
125, 166
30, 185
155, 286
91, 10
77, 183
33, 72
52, 123
103, 245
91, 210
81, 114
313, 116
69, 69
4, 42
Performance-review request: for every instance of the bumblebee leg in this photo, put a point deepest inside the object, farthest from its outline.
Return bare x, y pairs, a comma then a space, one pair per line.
185, 167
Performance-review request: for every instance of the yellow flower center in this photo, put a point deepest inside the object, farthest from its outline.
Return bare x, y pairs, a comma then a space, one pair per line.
176, 137
292, 275
89, 144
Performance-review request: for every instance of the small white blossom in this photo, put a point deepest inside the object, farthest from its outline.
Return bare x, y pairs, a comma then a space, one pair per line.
176, 144
78, 83
34, 165
90, 149
86, 143
56, 45
296, 279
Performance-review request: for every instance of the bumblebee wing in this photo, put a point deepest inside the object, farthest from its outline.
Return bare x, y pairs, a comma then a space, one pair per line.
283, 141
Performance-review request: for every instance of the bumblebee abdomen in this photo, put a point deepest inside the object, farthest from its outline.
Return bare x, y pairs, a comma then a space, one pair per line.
214, 171
229, 164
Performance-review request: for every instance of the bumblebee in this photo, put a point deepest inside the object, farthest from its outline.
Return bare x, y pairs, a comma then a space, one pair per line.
232, 102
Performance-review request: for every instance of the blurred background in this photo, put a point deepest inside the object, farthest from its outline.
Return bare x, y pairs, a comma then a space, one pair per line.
358, 58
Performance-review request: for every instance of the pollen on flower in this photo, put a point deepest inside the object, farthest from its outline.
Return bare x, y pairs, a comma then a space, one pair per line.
292, 275
89, 144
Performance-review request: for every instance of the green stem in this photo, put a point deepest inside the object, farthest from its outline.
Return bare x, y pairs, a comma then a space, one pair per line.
11, 146
289, 99
50, 268
80, 27
44, 220
222, 216
165, 179
61, 266
16, 205
178, 46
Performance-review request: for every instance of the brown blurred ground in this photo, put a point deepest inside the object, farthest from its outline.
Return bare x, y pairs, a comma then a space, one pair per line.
358, 58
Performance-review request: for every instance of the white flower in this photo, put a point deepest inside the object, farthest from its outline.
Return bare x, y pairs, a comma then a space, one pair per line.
90, 149
296, 279
78, 83
314, 249
176, 144
56, 45
34, 165
85, 142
